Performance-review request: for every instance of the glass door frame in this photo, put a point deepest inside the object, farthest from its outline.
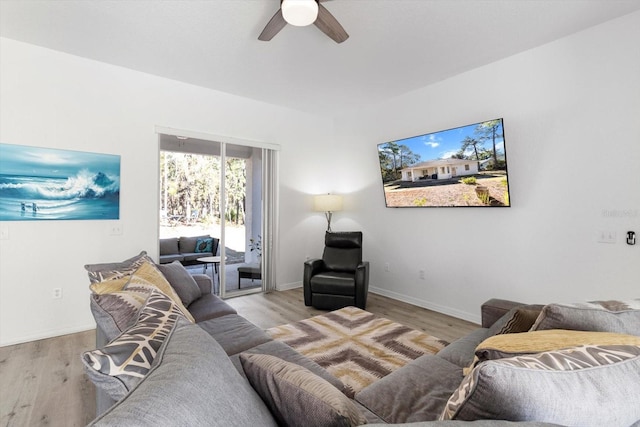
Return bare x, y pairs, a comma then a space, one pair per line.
268, 172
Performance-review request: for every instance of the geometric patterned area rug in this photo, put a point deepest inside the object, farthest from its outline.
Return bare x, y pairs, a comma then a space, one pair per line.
356, 346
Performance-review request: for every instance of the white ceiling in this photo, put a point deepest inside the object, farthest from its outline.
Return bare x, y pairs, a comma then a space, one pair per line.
395, 46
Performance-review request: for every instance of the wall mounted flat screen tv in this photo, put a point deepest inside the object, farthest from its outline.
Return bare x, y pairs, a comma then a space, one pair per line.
460, 167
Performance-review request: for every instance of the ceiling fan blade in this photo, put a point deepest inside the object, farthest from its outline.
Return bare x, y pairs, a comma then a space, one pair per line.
274, 26
329, 25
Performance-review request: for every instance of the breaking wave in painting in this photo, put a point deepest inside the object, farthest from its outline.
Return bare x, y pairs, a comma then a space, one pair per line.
86, 195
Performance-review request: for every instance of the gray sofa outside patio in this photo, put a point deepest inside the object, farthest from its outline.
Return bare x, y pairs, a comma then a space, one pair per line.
186, 249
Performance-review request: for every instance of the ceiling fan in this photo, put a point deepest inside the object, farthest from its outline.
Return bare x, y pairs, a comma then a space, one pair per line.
301, 13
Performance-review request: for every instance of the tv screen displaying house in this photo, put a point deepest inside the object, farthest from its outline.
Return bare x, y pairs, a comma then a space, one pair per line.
460, 167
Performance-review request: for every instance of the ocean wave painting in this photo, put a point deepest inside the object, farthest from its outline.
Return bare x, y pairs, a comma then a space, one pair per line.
50, 184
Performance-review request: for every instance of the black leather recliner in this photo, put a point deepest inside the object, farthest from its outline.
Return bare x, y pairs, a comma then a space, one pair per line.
340, 278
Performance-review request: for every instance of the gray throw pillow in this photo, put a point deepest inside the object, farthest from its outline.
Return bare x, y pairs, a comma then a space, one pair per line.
297, 396
181, 281
622, 317
587, 386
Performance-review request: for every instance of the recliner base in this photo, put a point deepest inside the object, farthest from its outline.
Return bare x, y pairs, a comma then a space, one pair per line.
332, 302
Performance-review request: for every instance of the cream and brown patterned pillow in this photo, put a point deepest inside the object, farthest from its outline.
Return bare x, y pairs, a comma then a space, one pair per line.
521, 320
115, 270
120, 365
503, 346
604, 379
147, 278
109, 286
297, 396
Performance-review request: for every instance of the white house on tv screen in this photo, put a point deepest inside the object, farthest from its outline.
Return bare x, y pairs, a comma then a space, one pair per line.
440, 169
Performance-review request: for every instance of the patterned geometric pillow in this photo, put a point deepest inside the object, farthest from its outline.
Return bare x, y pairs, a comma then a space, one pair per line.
587, 385
109, 286
510, 345
622, 317
122, 363
521, 321
147, 278
115, 270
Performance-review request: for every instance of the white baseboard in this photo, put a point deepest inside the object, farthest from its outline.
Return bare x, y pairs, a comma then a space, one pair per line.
475, 318
48, 334
287, 286
471, 317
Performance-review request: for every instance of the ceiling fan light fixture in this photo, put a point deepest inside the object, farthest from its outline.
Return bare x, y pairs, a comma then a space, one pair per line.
300, 12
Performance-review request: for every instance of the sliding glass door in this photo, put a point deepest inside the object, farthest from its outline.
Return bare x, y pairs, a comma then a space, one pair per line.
217, 189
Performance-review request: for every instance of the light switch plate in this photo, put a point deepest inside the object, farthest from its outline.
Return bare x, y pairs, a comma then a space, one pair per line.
4, 232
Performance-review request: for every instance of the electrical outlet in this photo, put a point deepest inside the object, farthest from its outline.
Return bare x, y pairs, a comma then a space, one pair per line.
386, 267
607, 237
421, 274
115, 230
56, 293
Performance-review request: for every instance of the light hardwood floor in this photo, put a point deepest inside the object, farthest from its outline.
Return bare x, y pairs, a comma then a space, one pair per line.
42, 383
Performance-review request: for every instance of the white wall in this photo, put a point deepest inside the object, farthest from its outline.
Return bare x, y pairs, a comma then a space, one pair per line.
50, 99
575, 101
572, 102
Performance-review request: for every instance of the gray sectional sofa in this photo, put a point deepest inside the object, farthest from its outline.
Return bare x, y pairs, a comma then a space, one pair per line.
202, 376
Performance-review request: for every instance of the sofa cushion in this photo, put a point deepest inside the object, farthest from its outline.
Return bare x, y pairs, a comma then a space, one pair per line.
461, 351
192, 257
204, 388
622, 317
181, 281
586, 386
416, 392
120, 365
169, 246
234, 333
115, 270
166, 259
147, 278
296, 396
209, 306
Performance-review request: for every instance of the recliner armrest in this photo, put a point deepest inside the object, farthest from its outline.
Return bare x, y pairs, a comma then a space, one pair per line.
313, 266
494, 309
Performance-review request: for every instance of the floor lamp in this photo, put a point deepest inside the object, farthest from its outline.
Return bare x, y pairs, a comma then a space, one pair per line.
327, 203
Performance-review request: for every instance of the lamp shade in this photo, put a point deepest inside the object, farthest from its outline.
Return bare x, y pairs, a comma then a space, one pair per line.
299, 12
327, 203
